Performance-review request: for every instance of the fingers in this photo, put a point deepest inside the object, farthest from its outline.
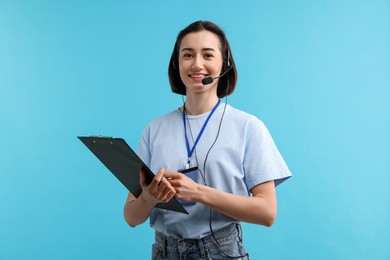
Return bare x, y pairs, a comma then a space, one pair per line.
167, 184
159, 189
167, 194
172, 175
158, 178
164, 192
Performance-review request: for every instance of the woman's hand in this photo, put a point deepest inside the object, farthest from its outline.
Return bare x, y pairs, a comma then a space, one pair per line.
186, 189
260, 208
159, 190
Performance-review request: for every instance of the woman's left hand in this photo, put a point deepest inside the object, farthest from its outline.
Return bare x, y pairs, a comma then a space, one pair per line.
260, 208
186, 189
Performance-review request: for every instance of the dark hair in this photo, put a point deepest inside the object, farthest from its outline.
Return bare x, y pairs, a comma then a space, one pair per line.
227, 83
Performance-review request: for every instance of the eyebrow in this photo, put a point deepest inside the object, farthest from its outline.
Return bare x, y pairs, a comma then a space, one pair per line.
204, 49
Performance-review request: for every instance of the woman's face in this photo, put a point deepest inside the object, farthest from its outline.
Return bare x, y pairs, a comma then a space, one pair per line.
200, 57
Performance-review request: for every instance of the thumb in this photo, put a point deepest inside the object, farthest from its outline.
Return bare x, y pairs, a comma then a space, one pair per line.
142, 178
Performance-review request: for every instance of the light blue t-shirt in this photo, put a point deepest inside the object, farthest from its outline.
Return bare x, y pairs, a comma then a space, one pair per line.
243, 156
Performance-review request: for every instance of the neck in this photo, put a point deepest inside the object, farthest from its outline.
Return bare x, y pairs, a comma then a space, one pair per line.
200, 104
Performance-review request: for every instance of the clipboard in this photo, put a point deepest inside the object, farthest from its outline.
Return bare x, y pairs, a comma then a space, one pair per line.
125, 165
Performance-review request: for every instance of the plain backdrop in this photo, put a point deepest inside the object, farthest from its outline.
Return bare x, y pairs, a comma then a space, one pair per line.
315, 72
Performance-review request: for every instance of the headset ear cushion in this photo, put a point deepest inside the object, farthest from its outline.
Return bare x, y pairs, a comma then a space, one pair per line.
228, 65
228, 60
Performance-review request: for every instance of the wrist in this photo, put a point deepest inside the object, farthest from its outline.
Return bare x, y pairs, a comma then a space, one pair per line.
145, 201
199, 193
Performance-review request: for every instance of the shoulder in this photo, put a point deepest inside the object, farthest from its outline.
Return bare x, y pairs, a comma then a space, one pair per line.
162, 122
164, 119
243, 119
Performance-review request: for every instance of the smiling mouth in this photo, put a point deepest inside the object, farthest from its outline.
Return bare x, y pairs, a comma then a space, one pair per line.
197, 76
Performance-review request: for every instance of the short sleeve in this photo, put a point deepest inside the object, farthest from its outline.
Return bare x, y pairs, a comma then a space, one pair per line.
262, 160
143, 150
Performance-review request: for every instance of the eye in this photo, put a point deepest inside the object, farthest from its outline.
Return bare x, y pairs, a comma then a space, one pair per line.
209, 56
187, 55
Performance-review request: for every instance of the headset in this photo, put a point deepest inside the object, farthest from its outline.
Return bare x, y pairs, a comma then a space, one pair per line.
207, 80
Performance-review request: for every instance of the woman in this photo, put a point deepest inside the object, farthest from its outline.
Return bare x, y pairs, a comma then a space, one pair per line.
233, 150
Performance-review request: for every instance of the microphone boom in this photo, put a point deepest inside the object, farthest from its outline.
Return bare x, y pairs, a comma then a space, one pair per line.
210, 80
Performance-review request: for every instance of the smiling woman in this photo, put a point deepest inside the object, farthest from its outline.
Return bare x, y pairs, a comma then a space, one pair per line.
200, 57
231, 151
219, 46
316, 72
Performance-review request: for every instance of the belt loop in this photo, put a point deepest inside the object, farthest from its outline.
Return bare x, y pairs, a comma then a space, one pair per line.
201, 248
239, 229
164, 246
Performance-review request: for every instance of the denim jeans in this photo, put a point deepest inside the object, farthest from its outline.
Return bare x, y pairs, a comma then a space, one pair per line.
229, 246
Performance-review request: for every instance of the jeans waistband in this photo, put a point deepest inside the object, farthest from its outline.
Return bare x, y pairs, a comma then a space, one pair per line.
177, 244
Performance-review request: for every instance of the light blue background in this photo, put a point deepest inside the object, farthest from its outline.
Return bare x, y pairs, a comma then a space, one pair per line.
316, 72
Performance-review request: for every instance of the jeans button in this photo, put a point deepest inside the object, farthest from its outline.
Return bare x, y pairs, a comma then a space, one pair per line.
182, 244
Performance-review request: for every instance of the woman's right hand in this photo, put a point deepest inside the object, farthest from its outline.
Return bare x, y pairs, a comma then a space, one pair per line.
159, 190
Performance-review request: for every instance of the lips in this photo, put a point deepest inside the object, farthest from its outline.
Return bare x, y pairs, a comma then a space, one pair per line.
197, 77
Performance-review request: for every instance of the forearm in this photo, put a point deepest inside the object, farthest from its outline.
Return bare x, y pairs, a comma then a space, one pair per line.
137, 211
257, 209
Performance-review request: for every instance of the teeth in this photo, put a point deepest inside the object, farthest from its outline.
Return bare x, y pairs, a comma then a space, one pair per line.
197, 76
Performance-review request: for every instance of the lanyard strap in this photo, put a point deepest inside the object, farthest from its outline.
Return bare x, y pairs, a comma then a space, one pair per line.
189, 150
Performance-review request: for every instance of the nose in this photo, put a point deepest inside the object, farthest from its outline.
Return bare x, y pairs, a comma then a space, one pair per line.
197, 64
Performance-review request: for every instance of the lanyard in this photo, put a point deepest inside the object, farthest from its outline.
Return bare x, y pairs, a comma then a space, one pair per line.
190, 151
